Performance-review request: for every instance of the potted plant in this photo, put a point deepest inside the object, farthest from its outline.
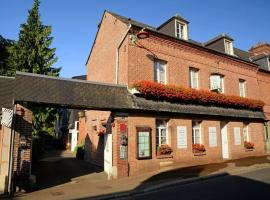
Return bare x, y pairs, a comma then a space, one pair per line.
198, 148
249, 145
164, 150
101, 132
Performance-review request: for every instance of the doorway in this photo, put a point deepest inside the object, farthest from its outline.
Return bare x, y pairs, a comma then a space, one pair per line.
224, 140
108, 153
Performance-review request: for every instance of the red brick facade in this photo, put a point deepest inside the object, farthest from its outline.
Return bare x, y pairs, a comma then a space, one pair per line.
136, 62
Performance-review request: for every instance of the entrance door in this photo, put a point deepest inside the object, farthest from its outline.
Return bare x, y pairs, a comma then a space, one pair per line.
108, 153
224, 140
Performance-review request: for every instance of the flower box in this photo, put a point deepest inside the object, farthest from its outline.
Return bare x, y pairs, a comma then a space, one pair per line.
249, 145
178, 94
198, 149
164, 150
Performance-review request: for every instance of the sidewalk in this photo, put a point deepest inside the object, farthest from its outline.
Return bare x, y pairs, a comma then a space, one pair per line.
90, 186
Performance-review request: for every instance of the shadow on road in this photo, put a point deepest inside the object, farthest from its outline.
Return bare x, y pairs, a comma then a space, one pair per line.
59, 167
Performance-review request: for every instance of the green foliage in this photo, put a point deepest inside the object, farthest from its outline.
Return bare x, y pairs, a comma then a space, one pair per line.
32, 53
79, 151
5, 69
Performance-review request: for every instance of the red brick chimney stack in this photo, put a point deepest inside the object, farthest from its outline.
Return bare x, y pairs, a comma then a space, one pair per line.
260, 48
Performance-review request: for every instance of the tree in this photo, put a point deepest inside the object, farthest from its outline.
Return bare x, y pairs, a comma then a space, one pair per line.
32, 53
5, 70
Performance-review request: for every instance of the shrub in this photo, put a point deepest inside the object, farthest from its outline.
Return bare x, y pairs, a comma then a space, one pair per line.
178, 94
79, 151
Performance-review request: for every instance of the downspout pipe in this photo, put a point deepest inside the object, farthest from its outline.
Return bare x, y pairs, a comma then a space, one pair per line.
117, 53
11, 151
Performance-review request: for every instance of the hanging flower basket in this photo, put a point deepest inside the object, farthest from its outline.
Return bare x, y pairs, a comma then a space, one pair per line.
178, 94
198, 148
249, 145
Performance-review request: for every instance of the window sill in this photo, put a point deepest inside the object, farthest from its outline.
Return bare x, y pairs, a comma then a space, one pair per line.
247, 150
164, 156
199, 153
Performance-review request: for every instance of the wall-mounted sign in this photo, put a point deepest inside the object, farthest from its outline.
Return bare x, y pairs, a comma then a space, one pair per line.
181, 137
123, 152
123, 128
7, 116
144, 144
237, 136
212, 136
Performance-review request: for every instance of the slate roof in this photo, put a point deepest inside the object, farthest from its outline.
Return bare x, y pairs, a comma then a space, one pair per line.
240, 54
6, 92
163, 106
71, 93
78, 94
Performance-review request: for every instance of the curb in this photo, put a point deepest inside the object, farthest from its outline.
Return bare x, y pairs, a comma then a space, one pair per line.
161, 186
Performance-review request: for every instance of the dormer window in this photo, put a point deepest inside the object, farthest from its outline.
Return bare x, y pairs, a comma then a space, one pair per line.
228, 47
180, 30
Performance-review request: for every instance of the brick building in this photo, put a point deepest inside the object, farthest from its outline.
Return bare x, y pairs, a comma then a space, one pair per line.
131, 142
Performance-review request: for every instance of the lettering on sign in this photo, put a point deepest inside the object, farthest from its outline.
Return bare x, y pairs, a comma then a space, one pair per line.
181, 137
237, 136
212, 136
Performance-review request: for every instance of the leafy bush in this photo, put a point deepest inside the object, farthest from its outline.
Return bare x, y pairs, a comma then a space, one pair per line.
79, 151
178, 94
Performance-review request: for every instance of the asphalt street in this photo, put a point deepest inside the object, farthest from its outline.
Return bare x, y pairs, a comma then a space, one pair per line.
254, 185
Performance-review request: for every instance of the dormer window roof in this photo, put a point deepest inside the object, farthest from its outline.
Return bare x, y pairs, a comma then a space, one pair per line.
176, 26
222, 43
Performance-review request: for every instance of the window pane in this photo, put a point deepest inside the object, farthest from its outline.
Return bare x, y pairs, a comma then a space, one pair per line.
143, 144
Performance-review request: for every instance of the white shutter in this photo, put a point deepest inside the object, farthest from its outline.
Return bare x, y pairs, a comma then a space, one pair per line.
161, 73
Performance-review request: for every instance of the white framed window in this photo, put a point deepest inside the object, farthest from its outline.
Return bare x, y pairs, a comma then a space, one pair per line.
161, 132
217, 83
160, 72
242, 88
194, 78
246, 132
180, 30
228, 47
196, 133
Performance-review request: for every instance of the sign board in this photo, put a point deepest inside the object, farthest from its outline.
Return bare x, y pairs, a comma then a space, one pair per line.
181, 137
237, 136
212, 136
123, 152
7, 116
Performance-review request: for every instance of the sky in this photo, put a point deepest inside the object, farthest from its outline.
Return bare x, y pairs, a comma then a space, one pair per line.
74, 22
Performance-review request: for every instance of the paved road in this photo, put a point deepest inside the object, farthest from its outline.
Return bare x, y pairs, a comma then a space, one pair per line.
253, 185
58, 167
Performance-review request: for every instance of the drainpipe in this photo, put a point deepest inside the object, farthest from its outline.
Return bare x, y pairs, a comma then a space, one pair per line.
11, 150
117, 54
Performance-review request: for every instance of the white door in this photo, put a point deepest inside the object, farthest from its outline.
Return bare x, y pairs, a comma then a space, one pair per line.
108, 153
74, 137
224, 141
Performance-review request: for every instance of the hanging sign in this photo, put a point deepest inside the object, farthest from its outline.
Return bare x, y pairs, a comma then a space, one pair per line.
7, 116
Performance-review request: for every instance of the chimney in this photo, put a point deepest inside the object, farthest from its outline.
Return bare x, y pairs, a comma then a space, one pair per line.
260, 48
